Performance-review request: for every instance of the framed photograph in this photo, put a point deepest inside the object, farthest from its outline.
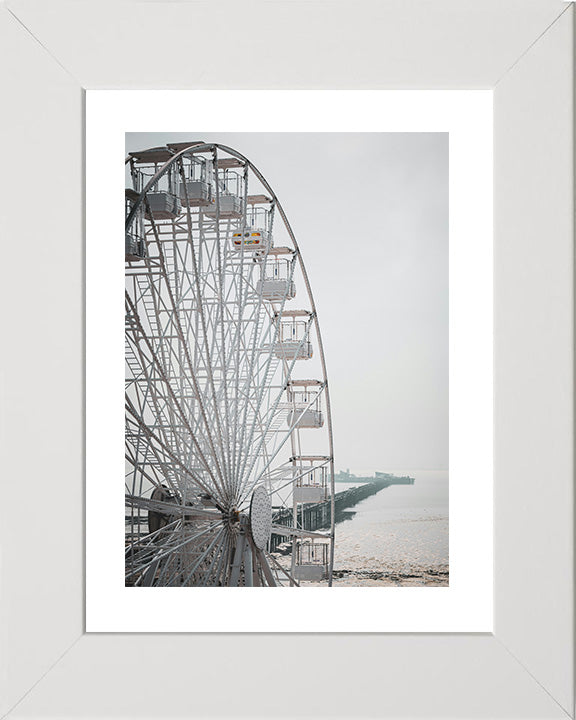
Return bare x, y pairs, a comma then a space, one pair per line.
285, 365
497, 639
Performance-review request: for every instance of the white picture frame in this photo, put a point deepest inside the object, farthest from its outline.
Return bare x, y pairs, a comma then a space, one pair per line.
54, 51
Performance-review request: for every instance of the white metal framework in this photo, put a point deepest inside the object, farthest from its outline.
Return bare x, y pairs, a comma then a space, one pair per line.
229, 460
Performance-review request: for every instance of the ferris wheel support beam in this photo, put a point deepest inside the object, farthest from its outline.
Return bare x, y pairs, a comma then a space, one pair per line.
248, 569
238, 556
291, 578
267, 572
147, 579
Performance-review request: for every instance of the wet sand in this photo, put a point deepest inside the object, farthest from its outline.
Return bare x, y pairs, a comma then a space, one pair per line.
437, 576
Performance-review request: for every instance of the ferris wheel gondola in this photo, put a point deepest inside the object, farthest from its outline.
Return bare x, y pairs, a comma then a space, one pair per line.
229, 457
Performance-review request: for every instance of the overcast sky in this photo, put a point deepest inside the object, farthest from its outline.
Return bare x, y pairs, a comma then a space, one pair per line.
370, 213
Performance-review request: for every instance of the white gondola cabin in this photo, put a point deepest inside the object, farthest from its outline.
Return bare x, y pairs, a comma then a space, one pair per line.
311, 481
305, 419
293, 337
276, 284
252, 240
197, 188
304, 397
312, 559
161, 201
161, 205
229, 189
227, 207
196, 193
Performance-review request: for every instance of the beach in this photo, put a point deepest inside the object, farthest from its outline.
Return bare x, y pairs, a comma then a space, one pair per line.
397, 537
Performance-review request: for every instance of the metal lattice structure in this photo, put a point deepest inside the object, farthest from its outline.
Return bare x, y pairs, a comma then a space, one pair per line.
228, 442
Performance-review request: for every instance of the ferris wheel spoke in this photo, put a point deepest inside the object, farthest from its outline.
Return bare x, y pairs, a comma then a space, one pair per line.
286, 437
188, 572
165, 423
137, 440
143, 551
243, 393
217, 457
223, 341
145, 429
236, 315
253, 352
147, 579
202, 315
156, 474
212, 576
168, 550
241, 286
150, 453
162, 506
154, 480
273, 412
165, 471
243, 367
144, 542
253, 420
140, 560
177, 406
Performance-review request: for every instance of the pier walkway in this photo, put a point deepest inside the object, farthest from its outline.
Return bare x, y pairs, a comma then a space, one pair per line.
316, 516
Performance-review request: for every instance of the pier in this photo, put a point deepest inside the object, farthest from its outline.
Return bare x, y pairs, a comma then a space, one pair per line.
316, 516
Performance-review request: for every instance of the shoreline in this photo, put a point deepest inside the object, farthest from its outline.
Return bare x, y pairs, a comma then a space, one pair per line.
393, 575
431, 576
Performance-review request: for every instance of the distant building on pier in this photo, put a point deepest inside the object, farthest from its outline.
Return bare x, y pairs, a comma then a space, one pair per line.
379, 477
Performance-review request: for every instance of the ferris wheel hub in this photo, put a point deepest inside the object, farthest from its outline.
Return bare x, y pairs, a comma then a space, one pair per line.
260, 517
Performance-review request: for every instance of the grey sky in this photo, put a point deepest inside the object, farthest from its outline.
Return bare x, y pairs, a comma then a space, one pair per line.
370, 213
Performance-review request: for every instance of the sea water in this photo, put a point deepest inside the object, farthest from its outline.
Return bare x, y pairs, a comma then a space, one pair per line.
401, 527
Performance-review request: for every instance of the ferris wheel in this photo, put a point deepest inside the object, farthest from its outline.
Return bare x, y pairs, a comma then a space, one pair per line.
229, 461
